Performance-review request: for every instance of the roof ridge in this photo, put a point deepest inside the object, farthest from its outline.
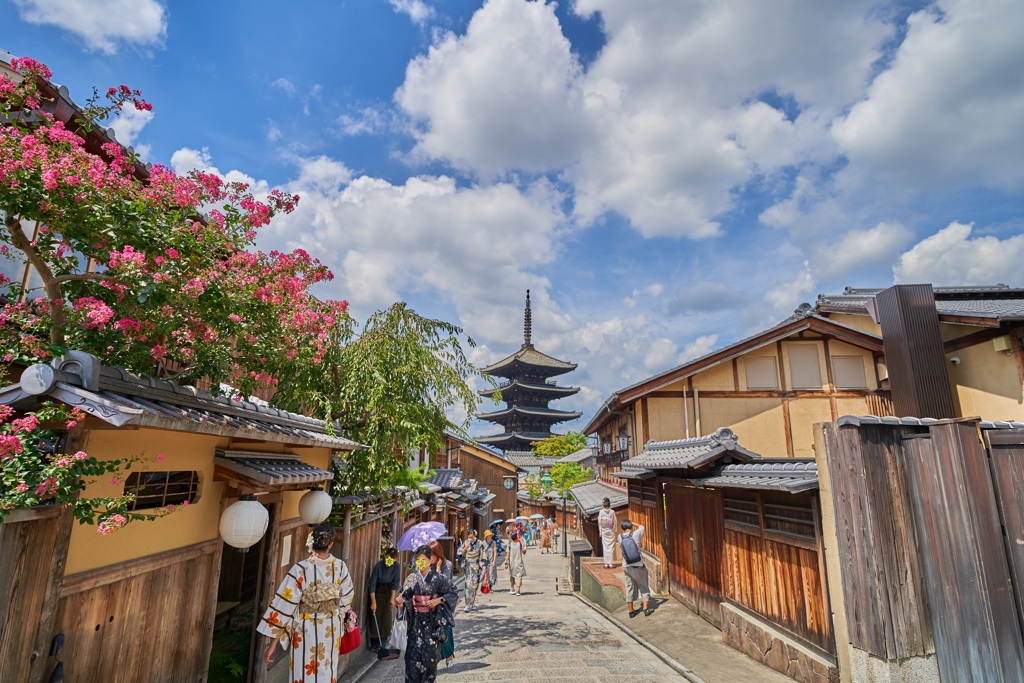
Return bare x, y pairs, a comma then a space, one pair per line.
720, 436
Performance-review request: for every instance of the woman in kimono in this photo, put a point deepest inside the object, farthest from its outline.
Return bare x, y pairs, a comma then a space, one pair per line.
545, 537
606, 523
475, 564
444, 567
515, 563
308, 613
429, 600
491, 557
382, 588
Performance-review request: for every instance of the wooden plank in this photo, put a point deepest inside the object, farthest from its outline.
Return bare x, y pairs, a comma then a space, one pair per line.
973, 339
831, 382
1006, 458
977, 632
735, 374
646, 419
258, 672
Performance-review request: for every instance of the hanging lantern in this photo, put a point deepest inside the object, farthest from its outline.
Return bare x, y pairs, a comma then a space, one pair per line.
315, 506
244, 523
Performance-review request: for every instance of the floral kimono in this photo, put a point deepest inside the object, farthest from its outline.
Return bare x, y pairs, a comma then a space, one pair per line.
307, 616
422, 652
475, 566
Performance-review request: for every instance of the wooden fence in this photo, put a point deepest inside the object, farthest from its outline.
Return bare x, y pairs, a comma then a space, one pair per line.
925, 518
33, 549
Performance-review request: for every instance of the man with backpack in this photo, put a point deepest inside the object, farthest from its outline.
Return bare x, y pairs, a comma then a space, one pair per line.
634, 569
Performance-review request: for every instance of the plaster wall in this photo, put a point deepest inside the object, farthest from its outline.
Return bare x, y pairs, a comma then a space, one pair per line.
866, 668
667, 420
804, 413
758, 422
715, 378
986, 383
857, 322
852, 406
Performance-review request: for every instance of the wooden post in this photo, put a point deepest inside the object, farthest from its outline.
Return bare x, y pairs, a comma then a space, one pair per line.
346, 534
257, 668
211, 601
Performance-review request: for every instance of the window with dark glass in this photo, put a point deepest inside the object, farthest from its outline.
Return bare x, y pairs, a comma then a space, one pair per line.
160, 489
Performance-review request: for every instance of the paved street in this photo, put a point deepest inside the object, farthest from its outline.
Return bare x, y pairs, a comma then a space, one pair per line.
539, 636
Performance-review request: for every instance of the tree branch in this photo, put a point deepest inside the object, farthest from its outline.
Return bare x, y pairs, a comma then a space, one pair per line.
20, 240
83, 277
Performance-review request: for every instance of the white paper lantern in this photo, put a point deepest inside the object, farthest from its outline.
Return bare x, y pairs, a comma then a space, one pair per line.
315, 506
244, 523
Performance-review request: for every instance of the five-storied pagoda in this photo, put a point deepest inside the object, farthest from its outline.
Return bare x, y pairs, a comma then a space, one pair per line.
527, 391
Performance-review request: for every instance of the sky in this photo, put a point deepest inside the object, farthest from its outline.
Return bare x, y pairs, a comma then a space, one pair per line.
665, 176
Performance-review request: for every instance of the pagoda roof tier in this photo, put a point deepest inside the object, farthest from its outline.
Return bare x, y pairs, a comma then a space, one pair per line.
531, 411
530, 362
518, 385
510, 440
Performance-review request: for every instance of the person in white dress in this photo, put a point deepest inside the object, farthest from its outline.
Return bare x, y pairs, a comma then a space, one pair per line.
607, 523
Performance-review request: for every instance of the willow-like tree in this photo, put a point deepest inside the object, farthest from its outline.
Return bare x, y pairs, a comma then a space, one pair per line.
396, 384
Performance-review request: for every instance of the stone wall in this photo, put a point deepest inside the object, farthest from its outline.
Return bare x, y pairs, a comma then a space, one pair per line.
782, 652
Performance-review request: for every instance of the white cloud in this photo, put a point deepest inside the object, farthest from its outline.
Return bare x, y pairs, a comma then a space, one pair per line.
273, 132
859, 248
502, 96
950, 105
701, 346
364, 121
419, 11
787, 295
660, 354
129, 124
952, 257
285, 85
102, 24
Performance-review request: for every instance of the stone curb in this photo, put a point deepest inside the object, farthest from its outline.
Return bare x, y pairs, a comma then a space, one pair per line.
657, 652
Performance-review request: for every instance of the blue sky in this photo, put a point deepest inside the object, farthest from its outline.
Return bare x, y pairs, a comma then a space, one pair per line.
666, 175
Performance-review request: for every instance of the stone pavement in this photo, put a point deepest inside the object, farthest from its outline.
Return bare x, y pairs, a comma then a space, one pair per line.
539, 636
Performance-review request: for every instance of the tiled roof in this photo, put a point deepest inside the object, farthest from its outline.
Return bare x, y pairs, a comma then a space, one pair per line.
997, 302
560, 415
689, 453
792, 476
527, 459
119, 397
853, 420
447, 479
580, 455
272, 469
508, 388
527, 355
590, 494
505, 437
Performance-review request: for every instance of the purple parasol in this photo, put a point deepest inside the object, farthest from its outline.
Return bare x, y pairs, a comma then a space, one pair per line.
421, 534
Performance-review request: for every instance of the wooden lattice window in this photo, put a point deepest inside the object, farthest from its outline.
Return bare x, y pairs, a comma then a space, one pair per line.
160, 489
743, 513
789, 520
649, 493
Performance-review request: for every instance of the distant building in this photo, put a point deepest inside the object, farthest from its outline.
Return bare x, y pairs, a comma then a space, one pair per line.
526, 393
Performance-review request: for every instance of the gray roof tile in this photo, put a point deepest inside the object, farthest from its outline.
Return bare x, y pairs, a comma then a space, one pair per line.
689, 453
997, 302
792, 476
590, 494
580, 455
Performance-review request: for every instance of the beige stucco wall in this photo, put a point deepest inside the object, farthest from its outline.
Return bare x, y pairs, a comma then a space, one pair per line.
858, 322
667, 421
758, 422
716, 378
195, 523
852, 406
986, 383
804, 413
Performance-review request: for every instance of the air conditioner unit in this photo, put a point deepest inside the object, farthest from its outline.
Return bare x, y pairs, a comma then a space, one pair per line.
1003, 344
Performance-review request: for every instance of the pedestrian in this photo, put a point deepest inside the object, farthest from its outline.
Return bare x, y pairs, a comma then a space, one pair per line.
475, 565
528, 534
554, 534
309, 610
634, 569
429, 599
515, 563
492, 553
545, 537
385, 580
606, 523
444, 567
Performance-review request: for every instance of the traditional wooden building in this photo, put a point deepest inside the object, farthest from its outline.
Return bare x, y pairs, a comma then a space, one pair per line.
527, 390
489, 469
103, 593
589, 496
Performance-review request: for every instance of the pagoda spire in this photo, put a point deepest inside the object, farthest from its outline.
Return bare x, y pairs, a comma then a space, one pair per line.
528, 322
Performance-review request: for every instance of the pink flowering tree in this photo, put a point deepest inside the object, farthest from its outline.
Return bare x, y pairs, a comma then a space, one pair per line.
36, 470
140, 265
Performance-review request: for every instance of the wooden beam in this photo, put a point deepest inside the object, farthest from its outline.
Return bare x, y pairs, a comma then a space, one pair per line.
267, 588
211, 601
646, 419
802, 393
831, 382
94, 578
789, 427
973, 339
735, 375
1018, 354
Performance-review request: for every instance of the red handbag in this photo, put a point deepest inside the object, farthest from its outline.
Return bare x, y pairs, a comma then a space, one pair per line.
485, 587
352, 638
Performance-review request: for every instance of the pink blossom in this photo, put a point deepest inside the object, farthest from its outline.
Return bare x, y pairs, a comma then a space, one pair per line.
80, 456
171, 253
111, 524
159, 457
63, 462
10, 446
114, 481
47, 488
25, 424
21, 488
